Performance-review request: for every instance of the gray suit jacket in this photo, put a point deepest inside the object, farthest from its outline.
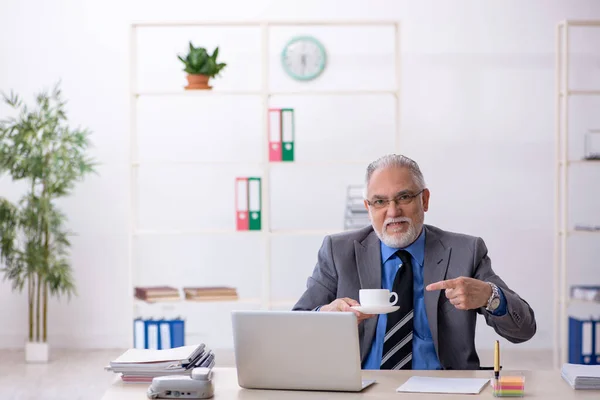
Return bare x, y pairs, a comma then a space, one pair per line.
350, 261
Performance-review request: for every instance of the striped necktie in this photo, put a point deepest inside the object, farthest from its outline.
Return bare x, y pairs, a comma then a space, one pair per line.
397, 345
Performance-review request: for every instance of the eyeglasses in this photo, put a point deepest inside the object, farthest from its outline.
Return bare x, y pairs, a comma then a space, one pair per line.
403, 199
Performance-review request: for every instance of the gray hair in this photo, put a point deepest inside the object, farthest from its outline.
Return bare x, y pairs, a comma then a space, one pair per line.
395, 160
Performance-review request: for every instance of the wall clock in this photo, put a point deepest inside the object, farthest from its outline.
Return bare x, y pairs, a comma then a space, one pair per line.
303, 58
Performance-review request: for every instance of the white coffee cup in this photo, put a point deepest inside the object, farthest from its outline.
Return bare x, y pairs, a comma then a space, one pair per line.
376, 297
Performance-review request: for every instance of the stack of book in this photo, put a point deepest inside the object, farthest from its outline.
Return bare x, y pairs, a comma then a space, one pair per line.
210, 293
141, 365
153, 294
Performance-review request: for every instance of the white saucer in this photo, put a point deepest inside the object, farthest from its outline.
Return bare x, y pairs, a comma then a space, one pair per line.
376, 309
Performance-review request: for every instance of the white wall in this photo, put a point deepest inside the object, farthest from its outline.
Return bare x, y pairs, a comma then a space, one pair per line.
477, 114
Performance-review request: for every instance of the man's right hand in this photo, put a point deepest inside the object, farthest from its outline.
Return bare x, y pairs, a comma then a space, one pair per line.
345, 304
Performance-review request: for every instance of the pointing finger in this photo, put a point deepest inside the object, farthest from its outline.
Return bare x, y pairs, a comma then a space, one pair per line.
448, 284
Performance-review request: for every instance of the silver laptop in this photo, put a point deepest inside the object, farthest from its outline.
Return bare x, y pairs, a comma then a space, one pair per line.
297, 350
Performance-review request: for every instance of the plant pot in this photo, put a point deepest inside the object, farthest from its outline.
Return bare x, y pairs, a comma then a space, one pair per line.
198, 82
36, 352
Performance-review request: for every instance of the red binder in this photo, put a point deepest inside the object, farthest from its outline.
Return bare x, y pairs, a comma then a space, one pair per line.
275, 134
241, 204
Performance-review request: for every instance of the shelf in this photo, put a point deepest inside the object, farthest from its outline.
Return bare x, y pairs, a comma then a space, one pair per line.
199, 93
332, 92
192, 163
289, 232
577, 302
564, 305
576, 22
195, 232
579, 232
264, 23
581, 93
183, 301
579, 162
582, 232
267, 93
172, 304
265, 283
276, 232
257, 163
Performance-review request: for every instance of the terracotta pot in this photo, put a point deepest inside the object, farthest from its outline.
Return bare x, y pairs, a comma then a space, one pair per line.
198, 82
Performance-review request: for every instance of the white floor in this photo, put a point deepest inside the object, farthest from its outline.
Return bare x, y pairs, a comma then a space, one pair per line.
80, 375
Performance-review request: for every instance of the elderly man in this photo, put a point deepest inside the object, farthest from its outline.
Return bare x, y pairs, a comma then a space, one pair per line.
443, 280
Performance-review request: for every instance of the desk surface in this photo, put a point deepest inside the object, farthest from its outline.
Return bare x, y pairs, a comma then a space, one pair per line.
538, 384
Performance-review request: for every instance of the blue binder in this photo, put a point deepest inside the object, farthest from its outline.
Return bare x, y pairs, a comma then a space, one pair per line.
139, 334
584, 341
177, 332
152, 334
158, 334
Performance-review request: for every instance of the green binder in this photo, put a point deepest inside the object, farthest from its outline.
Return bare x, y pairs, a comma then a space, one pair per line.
254, 204
288, 133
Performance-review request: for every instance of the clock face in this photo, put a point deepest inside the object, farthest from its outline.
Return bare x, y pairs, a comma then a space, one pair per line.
303, 58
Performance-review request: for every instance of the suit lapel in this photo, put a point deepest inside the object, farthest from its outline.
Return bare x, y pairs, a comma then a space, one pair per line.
368, 263
435, 266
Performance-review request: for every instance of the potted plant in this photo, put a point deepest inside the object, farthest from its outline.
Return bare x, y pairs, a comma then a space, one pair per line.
200, 67
37, 146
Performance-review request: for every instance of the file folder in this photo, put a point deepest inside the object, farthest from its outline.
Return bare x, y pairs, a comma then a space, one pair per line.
159, 334
254, 203
288, 133
274, 134
152, 339
177, 333
241, 201
597, 347
584, 341
139, 334
165, 335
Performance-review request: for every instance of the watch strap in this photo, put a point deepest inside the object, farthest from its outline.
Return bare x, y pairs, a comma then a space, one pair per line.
495, 295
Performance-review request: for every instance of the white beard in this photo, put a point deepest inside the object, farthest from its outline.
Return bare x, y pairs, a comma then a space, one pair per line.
398, 240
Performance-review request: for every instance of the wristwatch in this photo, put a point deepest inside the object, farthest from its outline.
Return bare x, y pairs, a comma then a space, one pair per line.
494, 301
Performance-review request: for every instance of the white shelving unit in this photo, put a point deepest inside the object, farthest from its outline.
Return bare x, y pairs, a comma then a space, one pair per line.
565, 162
265, 94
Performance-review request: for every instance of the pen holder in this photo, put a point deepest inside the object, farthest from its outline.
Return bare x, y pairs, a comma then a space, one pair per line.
512, 385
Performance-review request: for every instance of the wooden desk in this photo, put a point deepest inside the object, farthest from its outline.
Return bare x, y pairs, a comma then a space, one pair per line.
538, 384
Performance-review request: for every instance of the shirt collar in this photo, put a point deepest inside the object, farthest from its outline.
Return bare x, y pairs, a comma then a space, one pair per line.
416, 249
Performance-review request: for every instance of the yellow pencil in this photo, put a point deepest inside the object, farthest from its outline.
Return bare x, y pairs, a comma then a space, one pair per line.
497, 359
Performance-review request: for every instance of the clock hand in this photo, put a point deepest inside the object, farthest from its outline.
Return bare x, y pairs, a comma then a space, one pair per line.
303, 59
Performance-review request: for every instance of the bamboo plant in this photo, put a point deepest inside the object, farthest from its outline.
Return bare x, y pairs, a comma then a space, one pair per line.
39, 148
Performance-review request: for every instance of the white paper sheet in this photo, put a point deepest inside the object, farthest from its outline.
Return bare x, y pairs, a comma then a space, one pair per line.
424, 384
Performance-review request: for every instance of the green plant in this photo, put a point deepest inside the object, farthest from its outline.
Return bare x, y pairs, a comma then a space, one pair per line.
37, 146
199, 62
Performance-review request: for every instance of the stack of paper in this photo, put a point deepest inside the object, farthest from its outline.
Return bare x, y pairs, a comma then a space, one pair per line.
426, 384
582, 376
141, 365
356, 215
586, 292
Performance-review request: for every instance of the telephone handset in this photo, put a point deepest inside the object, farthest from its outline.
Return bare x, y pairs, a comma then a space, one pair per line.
197, 386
